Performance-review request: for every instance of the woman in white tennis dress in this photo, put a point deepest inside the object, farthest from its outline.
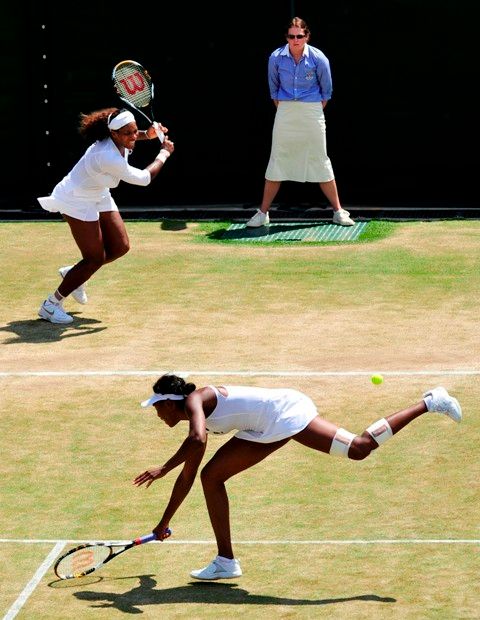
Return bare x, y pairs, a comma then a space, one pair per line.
264, 420
83, 198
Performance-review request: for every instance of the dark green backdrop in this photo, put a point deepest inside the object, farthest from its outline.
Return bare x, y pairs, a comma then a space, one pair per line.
401, 126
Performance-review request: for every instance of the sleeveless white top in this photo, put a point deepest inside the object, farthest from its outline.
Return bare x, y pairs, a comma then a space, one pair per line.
260, 414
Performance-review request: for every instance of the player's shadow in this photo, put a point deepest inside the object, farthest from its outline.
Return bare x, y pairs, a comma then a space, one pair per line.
37, 331
204, 592
262, 231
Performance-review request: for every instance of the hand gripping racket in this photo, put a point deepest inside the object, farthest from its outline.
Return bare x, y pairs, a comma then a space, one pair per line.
134, 86
85, 559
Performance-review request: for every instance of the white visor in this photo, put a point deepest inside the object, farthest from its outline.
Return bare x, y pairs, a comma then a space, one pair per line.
156, 397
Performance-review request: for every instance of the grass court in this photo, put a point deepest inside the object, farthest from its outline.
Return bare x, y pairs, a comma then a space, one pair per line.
394, 536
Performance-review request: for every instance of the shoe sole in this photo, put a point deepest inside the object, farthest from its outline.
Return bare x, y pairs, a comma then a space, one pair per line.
456, 414
215, 578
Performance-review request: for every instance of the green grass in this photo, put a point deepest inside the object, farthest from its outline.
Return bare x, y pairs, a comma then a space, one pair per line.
71, 446
214, 231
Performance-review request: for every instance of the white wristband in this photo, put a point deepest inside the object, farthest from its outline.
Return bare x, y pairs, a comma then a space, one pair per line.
163, 156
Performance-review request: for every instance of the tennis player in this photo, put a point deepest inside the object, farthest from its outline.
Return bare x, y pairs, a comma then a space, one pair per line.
83, 198
265, 420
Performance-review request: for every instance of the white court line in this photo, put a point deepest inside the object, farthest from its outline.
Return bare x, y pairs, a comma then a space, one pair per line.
243, 373
34, 581
60, 544
354, 541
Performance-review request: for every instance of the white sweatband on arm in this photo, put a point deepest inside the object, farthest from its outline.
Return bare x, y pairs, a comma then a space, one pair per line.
163, 156
381, 431
341, 442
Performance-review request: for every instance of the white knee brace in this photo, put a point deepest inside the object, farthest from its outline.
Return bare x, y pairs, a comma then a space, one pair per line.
380, 431
341, 442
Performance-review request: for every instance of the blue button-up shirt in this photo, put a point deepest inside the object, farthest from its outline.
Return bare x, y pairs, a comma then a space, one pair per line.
310, 80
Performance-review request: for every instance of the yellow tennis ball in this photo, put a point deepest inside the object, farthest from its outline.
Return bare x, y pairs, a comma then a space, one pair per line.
377, 379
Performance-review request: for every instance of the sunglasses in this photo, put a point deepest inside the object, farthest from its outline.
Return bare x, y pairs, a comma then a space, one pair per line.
296, 36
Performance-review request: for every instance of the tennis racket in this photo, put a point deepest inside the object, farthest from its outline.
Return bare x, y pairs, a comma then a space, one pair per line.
85, 559
134, 86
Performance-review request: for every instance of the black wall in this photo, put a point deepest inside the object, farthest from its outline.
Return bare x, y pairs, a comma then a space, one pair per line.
401, 126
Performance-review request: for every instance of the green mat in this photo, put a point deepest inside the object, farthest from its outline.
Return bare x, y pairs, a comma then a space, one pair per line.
294, 231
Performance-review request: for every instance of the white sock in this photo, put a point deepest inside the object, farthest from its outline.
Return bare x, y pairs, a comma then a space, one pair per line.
428, 401
225, 562
54, 299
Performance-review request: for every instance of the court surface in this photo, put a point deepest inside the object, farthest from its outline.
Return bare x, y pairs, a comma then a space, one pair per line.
394, 536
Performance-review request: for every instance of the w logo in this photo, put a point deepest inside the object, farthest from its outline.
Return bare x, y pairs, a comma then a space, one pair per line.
133, 83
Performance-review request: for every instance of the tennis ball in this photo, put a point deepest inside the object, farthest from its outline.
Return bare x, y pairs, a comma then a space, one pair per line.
377, 379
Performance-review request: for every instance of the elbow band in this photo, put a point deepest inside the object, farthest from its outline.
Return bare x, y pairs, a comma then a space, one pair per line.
341, 442
381, 431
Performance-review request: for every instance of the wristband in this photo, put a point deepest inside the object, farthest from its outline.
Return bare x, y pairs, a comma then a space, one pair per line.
163, 156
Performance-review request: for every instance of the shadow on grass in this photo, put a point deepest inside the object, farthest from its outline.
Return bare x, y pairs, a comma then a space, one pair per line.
173, 225
38, 331
262, 231
205, 593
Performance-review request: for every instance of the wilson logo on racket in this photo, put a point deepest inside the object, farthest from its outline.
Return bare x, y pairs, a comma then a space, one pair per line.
82, 560
133, 83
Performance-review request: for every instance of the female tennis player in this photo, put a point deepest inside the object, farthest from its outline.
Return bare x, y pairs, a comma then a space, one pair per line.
265, 420
83, 198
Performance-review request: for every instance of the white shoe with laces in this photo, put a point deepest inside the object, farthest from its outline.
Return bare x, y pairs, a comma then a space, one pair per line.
259, 219
218, 570
79, 294
54, 313
439, 400
343, 218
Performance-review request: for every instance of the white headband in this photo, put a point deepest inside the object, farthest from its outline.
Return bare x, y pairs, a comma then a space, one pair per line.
120, 120
156, 397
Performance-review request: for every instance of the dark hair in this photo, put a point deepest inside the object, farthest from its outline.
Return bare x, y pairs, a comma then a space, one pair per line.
298, 22
94, 126
171, 384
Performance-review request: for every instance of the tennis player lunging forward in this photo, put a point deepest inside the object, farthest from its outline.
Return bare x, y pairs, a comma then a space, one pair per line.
83, 198
265, 420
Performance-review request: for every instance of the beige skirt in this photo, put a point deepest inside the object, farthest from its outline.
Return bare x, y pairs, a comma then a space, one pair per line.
299, 144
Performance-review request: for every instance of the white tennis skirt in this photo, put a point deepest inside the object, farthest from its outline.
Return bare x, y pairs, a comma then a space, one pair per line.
295, 415
299, 144
80, 207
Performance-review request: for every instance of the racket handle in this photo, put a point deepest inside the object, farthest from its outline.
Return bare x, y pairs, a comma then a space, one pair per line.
145, 539
160, 134
150, 537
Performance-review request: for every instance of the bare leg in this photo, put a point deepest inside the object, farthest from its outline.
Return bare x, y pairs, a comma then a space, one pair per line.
270, 190
330, 190
232, 458
319, 433
99, 242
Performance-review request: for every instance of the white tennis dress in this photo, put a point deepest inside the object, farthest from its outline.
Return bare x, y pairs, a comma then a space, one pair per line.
260, 414
85, 191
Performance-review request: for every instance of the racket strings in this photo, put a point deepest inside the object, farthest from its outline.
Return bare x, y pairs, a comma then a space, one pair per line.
82, 560
133, 84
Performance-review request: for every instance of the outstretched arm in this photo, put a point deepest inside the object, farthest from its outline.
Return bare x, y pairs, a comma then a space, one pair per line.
190, 453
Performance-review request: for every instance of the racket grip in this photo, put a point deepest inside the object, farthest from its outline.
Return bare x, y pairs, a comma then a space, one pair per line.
160, 134
150, 537
145, 539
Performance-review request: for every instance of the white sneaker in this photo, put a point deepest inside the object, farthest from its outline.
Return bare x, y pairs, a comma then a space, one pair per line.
259, 219
343, 218
54, 313
215, 570
79, 294
439, 400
